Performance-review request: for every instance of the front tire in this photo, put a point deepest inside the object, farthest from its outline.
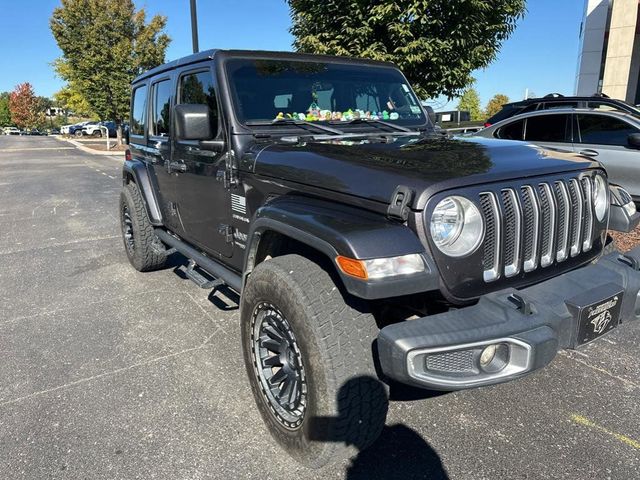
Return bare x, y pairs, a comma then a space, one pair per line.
309, 353
144, 249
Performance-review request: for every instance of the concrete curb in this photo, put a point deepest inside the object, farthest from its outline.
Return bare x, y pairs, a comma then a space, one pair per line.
80, 146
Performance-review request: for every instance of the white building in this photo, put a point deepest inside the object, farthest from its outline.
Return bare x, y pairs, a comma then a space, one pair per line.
609, 58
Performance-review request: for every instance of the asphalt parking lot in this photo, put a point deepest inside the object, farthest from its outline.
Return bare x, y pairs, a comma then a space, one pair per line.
110, 373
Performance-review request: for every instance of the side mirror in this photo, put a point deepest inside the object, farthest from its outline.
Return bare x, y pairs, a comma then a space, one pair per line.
431, 113
193, 122
634, 140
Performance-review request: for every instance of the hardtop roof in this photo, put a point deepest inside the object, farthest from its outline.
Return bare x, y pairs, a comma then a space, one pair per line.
263, 54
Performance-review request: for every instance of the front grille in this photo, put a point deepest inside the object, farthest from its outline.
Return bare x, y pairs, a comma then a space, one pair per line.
536, 225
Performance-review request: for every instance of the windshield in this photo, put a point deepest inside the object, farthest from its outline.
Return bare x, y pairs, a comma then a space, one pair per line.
267, 90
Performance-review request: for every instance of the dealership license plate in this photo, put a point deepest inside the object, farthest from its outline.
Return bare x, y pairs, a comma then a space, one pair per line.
598, 318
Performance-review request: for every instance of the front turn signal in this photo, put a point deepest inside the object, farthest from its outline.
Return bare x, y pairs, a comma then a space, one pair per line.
352, 267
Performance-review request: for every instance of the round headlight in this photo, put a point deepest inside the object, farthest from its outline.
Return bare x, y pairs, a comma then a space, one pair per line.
456, 226
600, 197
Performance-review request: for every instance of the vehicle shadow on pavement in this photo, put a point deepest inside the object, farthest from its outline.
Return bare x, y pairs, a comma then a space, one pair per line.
398, 453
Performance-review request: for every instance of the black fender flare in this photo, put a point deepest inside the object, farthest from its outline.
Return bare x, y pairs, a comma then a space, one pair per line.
138, 171
336, 229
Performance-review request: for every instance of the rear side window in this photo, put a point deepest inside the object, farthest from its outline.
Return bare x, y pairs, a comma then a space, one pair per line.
198, 88
160, 116
604, 130
547, 128
513, 131
138, 110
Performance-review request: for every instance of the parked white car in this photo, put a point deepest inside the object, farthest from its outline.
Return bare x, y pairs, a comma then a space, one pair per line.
11, 131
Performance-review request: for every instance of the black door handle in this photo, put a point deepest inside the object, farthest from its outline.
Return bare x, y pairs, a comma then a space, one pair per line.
177, 167
589, 153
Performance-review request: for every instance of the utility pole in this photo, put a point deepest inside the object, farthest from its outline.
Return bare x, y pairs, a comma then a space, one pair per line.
194, 26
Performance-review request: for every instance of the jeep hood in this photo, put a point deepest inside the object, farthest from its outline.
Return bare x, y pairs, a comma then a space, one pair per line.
373, 169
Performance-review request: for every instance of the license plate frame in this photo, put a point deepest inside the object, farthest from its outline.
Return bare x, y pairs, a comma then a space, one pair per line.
599, 319
595, 319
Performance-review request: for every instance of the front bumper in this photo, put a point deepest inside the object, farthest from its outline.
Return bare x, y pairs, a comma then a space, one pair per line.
529, 326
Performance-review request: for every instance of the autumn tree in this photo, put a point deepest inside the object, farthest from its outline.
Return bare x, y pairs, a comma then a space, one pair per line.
495, 104
5, 113
24, 108
436, 43
105, 44
470, 102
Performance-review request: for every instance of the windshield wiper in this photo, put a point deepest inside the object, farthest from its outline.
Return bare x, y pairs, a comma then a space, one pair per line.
300, 123
379, 122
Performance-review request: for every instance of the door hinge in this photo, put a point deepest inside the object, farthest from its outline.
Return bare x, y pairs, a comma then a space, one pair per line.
400, 200
227, 232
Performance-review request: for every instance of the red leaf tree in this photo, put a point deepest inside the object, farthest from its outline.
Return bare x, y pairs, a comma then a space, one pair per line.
23, 105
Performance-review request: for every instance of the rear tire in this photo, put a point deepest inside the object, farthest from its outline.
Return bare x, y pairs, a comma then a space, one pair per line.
324, 342
144, 249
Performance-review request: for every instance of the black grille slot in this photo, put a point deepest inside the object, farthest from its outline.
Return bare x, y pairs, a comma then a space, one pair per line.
489, 259
546, 207
576, 217
509, 228
587, 230
530, 230
562, 214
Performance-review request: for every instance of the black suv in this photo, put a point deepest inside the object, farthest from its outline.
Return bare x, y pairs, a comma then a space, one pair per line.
555, 100
366, 248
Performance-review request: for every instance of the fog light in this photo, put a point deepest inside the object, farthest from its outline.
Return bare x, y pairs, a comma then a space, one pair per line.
487, 355
494, 358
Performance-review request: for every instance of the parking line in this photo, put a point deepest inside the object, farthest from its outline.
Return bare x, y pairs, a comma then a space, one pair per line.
32, 149
580, 420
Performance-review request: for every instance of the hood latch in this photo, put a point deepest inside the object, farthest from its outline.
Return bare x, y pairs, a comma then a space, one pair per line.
400, 200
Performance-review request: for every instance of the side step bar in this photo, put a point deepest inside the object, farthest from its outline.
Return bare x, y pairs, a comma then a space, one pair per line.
213, 268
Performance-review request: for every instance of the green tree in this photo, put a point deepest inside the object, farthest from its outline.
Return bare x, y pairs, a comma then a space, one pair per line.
436, 43
73, 101
495, 105
470, 102
105, 44
5, 113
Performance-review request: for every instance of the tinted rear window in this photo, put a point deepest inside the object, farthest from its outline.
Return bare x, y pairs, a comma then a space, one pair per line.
512, 131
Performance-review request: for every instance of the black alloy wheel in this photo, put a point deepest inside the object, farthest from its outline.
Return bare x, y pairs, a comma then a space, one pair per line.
278, 365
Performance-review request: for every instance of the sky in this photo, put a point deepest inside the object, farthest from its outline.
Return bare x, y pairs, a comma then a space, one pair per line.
541, 54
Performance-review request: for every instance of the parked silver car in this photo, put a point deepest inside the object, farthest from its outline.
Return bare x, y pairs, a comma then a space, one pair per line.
611, 137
